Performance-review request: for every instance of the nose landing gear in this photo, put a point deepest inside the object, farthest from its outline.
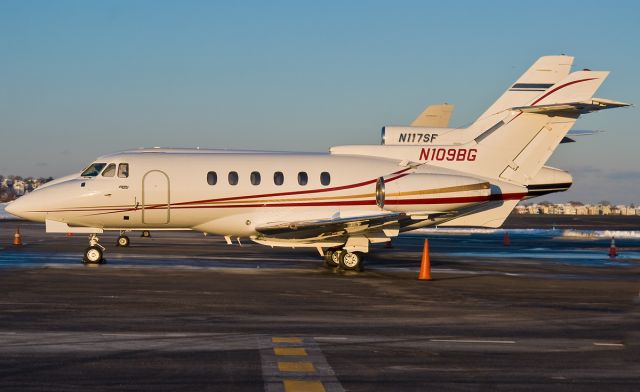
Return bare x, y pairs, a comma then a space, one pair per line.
123, 240
93, 254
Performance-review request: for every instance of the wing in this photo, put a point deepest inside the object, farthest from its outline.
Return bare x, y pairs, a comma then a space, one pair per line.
335, 227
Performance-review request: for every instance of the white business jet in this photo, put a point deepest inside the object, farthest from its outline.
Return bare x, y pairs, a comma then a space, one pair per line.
342, 201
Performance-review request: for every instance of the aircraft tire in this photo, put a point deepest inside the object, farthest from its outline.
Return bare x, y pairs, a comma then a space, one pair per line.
332, 258
93, 255
351, 261
123, 241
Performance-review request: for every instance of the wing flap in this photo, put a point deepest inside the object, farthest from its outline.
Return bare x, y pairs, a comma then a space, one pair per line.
328, 227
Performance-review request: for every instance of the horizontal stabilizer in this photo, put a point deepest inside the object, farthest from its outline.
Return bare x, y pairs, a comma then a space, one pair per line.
576, 132
583, 107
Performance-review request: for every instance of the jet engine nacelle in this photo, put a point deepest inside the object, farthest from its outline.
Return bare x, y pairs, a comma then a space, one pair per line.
411, 136
429, 192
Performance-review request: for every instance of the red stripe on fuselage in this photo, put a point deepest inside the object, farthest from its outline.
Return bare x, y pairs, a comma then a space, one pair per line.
444, 200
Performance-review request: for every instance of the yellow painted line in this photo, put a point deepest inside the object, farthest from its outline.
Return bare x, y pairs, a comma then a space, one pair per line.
293, 351
286, 340
306, 367
303, 386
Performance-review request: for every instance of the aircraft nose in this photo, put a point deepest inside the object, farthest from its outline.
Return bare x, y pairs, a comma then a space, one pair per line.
24, 208
12, 209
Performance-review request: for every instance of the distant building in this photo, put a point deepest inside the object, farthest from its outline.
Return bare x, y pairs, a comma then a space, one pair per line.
576, 208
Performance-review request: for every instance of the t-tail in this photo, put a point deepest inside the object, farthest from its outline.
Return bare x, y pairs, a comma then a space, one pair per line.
517, 146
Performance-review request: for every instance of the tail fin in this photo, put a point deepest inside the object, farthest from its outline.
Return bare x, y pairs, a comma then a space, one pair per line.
517, 147
434, 116
544, 73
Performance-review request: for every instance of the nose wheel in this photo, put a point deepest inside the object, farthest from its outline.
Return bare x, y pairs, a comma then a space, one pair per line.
94, 253
123, 241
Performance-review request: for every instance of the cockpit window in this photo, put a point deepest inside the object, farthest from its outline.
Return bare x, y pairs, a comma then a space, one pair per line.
110, 171
93, 170
123, 170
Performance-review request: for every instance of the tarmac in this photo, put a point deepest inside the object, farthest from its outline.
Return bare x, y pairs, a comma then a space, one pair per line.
185, 312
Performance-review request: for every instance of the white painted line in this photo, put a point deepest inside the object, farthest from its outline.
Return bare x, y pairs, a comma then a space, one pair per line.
330, 338
474, 341
608, 344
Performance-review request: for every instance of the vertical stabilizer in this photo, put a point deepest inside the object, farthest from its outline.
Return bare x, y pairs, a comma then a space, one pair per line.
516, 148
543, 74
434, 116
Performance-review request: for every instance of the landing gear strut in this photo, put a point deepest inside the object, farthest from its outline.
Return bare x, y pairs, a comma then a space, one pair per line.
93, 254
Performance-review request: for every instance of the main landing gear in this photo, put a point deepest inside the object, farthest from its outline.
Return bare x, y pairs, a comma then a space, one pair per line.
93, 254
348, 261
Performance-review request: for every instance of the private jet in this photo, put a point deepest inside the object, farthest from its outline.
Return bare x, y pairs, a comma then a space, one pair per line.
339, 202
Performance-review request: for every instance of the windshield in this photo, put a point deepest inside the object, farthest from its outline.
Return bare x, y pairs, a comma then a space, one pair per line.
93, 170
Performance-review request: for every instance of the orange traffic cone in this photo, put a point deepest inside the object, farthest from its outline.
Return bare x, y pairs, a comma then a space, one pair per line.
425, 267
613, 252
17, 238
506, 241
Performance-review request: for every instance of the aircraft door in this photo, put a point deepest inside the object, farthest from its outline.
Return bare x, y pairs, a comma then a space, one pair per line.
155, 198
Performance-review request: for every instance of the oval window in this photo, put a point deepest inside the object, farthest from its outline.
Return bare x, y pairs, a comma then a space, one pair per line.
278, 178
212, 178
233, 178
325, 178
255, 178
303, 178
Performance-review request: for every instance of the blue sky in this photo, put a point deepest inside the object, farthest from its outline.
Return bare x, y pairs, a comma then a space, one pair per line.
80, 79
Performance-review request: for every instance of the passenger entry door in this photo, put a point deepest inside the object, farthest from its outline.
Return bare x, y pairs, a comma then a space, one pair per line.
155, 198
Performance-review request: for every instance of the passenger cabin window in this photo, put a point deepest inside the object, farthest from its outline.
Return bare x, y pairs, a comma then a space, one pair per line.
325, 178
123, 170
233, 178
212, 178
93, 170
303, 178
255, 178
110, 171
278, 178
